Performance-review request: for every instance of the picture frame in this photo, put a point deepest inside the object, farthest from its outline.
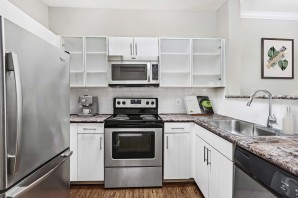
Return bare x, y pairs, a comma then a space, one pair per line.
277, 56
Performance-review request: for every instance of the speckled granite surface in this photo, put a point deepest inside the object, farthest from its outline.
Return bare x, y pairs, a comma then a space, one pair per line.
279, 150
88, 119
280, 97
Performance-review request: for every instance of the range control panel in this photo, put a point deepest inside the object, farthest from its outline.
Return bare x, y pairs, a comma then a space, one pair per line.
285, 185
135, 103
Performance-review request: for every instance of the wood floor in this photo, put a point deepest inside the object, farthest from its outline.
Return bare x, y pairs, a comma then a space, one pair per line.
169, 190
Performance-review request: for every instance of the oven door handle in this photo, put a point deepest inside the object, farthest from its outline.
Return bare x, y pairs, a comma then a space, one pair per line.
149, 125
131, 135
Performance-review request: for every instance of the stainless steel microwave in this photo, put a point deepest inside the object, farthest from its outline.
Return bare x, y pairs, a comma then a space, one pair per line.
133, 74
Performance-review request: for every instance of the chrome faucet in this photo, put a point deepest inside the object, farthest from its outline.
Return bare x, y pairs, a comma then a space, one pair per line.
271, 118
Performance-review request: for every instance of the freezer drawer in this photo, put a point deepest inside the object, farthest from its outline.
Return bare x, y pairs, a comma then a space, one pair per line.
51, 180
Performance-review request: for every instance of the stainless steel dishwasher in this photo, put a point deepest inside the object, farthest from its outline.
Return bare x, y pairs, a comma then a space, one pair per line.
257, 178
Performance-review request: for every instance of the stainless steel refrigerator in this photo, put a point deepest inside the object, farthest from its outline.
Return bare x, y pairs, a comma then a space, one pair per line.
34, 116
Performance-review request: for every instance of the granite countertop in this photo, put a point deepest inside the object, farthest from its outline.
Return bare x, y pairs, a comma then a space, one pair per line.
279, 150
88, 119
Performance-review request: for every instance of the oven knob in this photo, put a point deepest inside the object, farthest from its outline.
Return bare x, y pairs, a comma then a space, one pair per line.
118, 103
152, 103
123, 102
147, 103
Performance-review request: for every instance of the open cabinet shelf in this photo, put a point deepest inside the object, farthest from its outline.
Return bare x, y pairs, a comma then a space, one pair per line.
88, 60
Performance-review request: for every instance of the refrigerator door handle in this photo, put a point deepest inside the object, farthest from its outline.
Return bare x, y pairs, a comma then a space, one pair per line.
13, 69
19, 191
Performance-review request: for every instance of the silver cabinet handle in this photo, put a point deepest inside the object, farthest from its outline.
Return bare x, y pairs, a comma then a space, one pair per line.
14, 108
204, 153
100, 144
19, 191
148, 72
89, 129
131, 49
167, 142
177, 128
208, 157
136, 48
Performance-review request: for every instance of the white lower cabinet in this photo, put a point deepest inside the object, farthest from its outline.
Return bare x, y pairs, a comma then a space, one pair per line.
90, 157
87, 144
213, 171
73, 144
177, 151
201, 167
177, 160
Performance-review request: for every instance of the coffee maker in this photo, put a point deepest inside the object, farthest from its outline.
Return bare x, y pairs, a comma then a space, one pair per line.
89, 105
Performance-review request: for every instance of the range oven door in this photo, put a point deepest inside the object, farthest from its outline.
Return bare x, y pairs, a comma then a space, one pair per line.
133, 147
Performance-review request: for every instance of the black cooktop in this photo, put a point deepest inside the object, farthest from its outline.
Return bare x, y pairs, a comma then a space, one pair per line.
134, 121
134, 117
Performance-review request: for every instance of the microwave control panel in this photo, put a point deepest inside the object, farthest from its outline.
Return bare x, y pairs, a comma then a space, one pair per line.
155, 72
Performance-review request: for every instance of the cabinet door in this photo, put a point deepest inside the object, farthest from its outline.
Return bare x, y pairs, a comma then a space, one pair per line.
73, 144
120, 46
220, 175
201, 167
90, 157
146, 46
177, 156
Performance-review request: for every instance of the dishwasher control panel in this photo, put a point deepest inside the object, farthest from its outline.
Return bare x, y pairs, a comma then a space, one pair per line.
275, 179
285, 185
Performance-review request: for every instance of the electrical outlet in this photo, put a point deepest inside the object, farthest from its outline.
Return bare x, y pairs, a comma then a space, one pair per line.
178, 101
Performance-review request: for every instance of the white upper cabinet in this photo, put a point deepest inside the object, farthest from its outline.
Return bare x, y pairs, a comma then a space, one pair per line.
192, 62
120, 46
88, 60
208, 63
145, 46
129, 46
175, 62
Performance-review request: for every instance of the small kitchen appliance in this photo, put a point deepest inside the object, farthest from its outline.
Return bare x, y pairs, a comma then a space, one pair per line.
138, 72
133, 144
89, 105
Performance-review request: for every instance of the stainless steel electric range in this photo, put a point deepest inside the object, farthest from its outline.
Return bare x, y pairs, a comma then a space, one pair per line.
133, 144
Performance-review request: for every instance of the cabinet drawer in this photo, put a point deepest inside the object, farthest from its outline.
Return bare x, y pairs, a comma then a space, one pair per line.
177, 127
91, 128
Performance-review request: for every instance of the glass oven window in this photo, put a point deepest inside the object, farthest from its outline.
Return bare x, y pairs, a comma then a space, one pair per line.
133, 145
127, 72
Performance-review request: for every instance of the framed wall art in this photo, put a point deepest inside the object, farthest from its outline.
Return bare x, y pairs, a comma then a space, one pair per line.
277, 58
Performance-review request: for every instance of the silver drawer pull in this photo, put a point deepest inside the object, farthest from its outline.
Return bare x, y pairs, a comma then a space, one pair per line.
89, 129
100, 146
167, 142
177, 128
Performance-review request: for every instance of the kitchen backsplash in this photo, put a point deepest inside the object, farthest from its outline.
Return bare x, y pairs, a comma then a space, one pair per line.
171, 100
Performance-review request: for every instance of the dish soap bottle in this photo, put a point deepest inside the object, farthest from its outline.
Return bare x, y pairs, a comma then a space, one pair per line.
288, 122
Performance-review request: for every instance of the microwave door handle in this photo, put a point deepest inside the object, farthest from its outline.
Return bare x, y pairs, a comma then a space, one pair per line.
14, 111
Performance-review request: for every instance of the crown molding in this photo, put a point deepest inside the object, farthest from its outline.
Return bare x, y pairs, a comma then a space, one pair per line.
290, 16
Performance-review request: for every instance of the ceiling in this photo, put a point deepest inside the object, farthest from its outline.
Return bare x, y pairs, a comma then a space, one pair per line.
175, 5
270, 5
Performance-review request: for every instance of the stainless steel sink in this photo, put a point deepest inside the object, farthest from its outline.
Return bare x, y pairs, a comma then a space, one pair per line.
243, 128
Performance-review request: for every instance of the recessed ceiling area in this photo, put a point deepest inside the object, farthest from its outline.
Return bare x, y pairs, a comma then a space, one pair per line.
270, 5
175, 5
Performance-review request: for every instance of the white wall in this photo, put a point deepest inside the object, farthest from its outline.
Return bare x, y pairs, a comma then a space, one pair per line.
109, 22
37, 9
17, 16
252, 30
167, 97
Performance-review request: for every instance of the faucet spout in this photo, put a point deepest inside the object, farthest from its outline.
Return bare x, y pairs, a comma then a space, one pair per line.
271, 118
